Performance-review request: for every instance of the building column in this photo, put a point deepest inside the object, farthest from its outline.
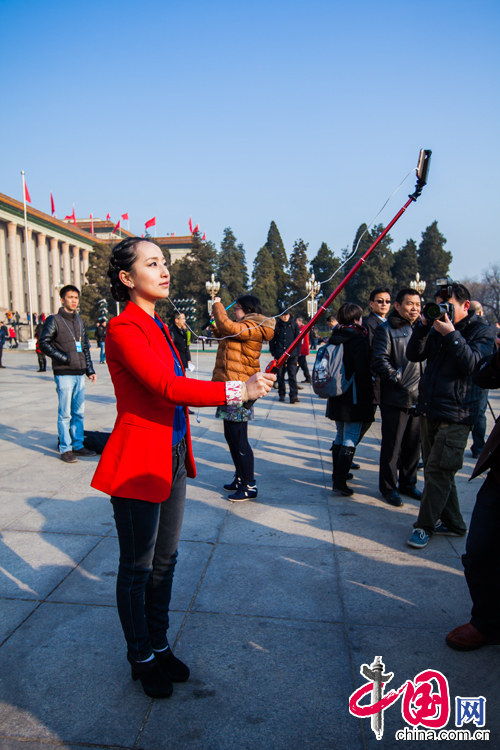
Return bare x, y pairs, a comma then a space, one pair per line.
31, 281
76, 267
85, 263
4, 285
43, 261
16, 264
55, 263
66, 264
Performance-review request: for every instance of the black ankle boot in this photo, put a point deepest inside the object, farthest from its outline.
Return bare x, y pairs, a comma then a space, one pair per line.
342, 466
155, 682
335, 449
173, 667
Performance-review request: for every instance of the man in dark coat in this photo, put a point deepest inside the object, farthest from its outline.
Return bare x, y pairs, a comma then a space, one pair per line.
64, 339
179, 337
482, 553
285, 334
380, 302
448, 404
399, 380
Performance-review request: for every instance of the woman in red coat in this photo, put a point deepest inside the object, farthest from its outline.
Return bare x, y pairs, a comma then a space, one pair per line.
148, 456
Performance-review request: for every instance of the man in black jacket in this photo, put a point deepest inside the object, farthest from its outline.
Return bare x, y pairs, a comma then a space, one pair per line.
448, 403
178, 333
380, 302
286, 332
399, 380
482, 554
64, 339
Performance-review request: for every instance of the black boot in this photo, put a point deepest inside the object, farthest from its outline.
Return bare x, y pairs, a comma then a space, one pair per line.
173, 667
335, 449
342, 466
155, 682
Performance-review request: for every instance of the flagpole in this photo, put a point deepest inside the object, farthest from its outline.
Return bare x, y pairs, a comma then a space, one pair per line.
28, 264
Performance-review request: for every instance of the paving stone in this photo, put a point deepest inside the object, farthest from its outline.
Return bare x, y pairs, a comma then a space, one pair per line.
33, 564
409, 591
250, 689
293, 526
271, 582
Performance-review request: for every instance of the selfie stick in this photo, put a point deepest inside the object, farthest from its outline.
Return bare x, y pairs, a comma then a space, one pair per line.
422, 172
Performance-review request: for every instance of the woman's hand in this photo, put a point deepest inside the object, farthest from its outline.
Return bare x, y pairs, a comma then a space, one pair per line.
259, 384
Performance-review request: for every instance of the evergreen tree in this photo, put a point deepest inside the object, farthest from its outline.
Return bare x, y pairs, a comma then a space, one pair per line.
375, 272
324, 265
278, 253
231, 268
405, 266
298, 278
264, 281
188, 279
97, 286
433, 260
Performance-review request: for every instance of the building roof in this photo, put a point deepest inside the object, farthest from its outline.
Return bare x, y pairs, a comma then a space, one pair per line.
44, 220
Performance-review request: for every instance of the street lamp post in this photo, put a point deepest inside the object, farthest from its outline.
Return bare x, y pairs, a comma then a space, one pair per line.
418, 285
213, 287
312, 287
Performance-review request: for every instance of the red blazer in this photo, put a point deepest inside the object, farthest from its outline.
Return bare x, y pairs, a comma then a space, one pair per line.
137, 460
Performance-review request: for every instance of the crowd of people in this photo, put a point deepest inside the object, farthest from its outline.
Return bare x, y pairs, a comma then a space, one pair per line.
428, 374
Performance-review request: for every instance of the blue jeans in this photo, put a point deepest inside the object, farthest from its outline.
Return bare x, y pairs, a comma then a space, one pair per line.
348, 433
148, 535
71, 393
103, 355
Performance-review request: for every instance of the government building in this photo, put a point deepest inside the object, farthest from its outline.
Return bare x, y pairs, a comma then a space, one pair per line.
58, 252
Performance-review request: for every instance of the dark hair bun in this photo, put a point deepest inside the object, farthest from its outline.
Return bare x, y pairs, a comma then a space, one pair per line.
123, 257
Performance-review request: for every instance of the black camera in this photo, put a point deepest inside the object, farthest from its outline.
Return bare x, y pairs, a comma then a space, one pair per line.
432, 311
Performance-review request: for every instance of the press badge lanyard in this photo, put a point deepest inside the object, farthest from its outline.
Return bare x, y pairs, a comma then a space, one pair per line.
78, 343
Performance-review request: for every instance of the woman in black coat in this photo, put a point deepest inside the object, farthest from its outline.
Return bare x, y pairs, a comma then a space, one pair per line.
353, 410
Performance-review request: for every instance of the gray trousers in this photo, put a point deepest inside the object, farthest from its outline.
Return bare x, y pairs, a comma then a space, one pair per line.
443, 446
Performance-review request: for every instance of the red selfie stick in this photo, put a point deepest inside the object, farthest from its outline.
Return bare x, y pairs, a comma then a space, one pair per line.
422, 171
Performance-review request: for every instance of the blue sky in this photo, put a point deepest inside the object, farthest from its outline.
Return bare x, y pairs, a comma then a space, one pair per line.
308, 114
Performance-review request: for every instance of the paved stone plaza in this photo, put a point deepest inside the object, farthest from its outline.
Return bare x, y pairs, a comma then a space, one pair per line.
276, 603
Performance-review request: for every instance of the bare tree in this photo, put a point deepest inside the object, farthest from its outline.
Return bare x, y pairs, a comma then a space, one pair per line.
487, 291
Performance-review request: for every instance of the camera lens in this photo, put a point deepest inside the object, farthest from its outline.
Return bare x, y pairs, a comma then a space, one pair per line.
432, 311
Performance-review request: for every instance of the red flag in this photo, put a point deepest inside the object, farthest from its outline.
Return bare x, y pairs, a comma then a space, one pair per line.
204, 237
151, 223
125, 216
26, 193
190, 225
173, 234
142, 235
108, 217
196, 229
91, 224
116, 228
52, 205
72, 216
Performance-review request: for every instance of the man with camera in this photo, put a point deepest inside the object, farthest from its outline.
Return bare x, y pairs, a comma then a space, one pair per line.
399, 380
452, 340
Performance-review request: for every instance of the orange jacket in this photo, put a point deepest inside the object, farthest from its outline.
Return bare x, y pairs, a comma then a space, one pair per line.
137, 459
238, 358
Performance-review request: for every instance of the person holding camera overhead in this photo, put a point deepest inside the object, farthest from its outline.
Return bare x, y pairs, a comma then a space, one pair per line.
451, 339
149, 455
